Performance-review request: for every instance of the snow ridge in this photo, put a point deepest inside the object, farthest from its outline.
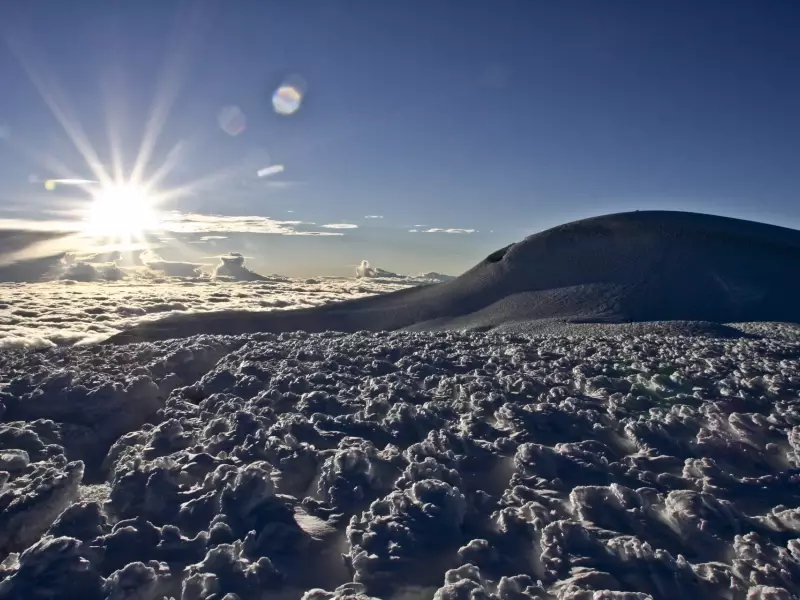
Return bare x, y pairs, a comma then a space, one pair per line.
629, 267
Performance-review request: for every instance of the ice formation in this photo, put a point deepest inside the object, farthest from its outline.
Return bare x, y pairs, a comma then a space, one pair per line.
396, 465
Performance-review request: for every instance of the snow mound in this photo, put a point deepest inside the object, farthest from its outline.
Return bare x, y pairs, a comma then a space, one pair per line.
627, 267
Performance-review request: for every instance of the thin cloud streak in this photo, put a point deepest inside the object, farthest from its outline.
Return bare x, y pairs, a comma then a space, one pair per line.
273, 170
440, 230
340, 226
178, 222
186, 222
68, 181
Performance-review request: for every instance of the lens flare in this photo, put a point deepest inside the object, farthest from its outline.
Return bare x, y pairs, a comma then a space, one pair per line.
287, 99
51, 184
232, 120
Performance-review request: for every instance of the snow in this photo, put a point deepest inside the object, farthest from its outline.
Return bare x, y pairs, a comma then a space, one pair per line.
514, 438
401, 464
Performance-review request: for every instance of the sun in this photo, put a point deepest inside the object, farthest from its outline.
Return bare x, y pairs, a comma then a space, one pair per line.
122, 212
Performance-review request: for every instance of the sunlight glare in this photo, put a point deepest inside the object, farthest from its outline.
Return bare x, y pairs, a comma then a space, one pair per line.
122, 212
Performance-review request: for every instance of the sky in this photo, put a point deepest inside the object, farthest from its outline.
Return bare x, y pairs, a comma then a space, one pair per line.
463, 126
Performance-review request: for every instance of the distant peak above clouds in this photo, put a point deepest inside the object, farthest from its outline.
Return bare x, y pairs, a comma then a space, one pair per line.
364, 270
434, 276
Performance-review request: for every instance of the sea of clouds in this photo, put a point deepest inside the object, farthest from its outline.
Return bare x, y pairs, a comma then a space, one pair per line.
81, 301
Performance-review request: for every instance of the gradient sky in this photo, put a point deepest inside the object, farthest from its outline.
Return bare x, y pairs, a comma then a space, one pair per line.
502, 117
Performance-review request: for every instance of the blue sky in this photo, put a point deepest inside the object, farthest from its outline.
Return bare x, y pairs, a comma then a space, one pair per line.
500, 117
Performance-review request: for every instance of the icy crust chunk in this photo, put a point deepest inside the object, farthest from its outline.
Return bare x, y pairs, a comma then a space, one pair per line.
34, 499
401, 465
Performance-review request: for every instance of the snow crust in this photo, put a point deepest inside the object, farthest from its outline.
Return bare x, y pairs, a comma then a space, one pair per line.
403, 465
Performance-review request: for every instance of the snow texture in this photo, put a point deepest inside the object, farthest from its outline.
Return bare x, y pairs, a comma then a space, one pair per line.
402, 465
649, 266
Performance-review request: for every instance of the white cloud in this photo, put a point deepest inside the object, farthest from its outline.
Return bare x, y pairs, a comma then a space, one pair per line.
231, 266
365, 270
84, 271
178, 222
170, 268
340, 226
52, 237
55, 312
283, 184
273, 170
374, 217
440, 230
40, 225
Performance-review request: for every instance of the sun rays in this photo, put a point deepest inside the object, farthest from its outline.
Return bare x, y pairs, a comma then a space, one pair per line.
116, 205
121, 212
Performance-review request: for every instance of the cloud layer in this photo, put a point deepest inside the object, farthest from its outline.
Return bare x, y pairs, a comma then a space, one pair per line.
170, 268
340, 226
179, 222
66, 312
440, 230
